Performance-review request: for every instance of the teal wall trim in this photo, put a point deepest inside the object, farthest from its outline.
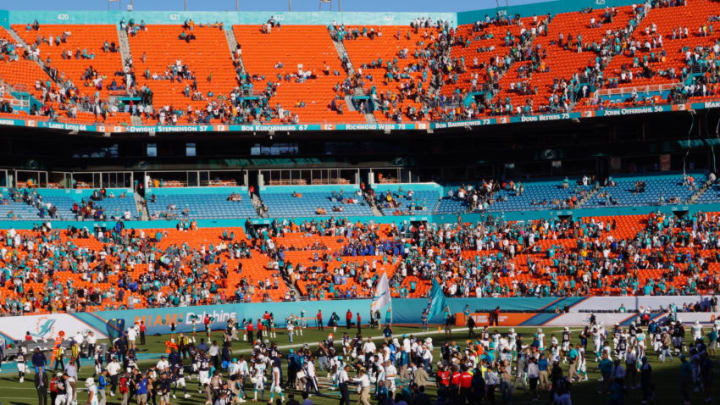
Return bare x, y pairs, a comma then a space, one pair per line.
4, 18
227, 17
543, 8
296, 18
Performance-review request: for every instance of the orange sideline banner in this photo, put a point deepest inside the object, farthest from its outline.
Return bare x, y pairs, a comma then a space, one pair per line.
504, 319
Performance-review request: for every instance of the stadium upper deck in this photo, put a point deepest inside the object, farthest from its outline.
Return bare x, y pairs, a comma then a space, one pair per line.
164, 71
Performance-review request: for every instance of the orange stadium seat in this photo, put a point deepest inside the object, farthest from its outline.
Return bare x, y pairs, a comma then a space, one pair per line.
293, 45
208, 57
89, 38
561, 63
21, 74
387, 46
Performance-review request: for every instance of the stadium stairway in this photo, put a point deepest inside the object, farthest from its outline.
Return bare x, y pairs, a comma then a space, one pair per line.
23, 73
257, 204
232, 46
343, 55
126, 55
20, 41
588, 196
141, 206
124, 44
699, 193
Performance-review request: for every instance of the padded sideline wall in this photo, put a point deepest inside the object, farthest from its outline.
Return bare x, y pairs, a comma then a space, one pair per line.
405, 311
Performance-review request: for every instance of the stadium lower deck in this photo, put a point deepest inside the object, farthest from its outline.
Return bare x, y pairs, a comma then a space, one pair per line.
98, 264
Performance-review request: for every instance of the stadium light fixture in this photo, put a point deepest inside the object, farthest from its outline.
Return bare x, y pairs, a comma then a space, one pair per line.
328, 2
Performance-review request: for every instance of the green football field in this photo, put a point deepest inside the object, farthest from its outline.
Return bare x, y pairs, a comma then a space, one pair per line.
666, 375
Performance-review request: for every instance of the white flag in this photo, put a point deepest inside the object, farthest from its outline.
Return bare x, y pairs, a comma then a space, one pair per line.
382, 294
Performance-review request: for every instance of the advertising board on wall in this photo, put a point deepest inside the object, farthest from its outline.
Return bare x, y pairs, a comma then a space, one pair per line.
44, 327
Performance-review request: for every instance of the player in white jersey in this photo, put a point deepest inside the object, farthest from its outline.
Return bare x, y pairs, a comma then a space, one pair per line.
541, 339
640, 343
512, 342
496, 338
258, 380
582, 365
606, 349
565, 343
657, 342
554, 349
21, 365
697, 331
275, 385
597, 342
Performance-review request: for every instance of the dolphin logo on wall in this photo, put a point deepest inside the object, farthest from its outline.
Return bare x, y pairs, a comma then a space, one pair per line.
44, 328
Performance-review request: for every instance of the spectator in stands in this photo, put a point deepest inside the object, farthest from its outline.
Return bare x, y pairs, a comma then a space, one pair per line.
234, 197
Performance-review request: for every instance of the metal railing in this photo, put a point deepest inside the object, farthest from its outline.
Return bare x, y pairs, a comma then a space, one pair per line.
638, 89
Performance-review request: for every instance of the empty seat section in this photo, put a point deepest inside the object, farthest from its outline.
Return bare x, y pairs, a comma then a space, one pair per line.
11, 208
115, 204
22, 73
158, 48
407, 199
196, 203
80, 39
283, 52
403, 47
307, 201
629, 192
450, 204
540, 196
711, 195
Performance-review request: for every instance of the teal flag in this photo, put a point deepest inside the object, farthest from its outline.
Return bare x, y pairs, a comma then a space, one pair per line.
437, 300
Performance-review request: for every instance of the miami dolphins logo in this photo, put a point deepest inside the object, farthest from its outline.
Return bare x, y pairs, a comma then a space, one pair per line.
43, 328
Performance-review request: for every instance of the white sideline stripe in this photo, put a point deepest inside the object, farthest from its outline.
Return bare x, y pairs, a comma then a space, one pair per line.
379, 337
397, 335
17, 388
